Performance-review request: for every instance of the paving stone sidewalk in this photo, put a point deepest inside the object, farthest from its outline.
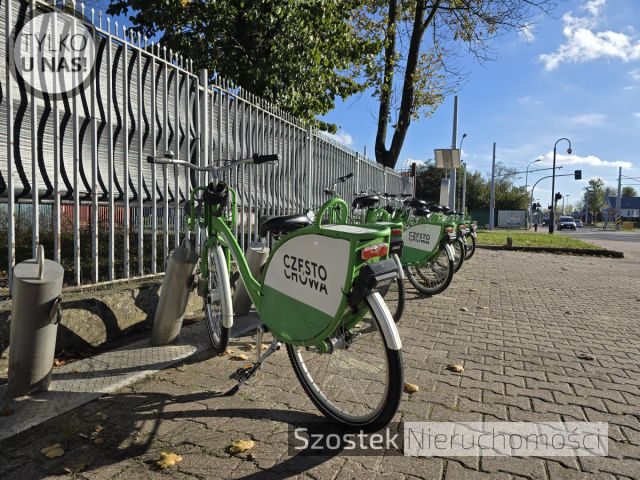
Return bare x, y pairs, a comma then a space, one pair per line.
528, 319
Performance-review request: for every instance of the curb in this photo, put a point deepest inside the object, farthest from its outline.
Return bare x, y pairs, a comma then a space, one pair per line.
600, 252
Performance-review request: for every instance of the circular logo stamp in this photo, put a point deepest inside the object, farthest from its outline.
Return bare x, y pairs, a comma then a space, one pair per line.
54, 53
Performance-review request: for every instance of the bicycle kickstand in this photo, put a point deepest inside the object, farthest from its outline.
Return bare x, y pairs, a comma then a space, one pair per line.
245, 373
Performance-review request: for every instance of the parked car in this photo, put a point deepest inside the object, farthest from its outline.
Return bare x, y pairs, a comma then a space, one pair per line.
565, 223
579, 224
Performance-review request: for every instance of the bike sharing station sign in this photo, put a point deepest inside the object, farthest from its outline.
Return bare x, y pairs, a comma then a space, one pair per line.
419, 241
53, 53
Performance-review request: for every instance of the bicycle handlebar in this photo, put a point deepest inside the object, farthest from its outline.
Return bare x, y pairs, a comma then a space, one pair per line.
256, 159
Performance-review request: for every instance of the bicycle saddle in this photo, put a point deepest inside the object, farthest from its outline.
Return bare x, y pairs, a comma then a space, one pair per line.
366, 201
281, 225
436, 208
421, 212
415, 203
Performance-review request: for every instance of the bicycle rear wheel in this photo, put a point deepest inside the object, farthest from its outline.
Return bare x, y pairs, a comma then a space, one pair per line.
359, 384
433, 277
217, 300
471, 246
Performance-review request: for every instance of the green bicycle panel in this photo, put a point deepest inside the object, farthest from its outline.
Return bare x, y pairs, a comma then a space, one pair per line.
302, 292
420, 242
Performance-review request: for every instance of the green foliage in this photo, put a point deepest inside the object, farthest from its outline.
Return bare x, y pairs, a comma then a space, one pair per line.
596, 194
629, 191
293, 53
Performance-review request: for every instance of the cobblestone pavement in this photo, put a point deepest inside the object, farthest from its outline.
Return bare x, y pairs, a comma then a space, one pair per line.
516, 321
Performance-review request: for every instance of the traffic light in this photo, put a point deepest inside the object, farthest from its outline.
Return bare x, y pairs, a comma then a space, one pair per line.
558, 196
577, 175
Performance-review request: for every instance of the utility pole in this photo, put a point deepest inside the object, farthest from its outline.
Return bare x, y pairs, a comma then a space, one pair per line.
454, 142
492, 199
619, 199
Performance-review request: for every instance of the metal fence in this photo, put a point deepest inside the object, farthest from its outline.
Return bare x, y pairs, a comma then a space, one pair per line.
83, 156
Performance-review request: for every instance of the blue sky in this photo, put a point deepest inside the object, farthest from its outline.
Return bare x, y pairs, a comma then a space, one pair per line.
575, 74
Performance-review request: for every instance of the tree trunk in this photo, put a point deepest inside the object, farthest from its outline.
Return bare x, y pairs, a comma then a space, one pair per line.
389, 157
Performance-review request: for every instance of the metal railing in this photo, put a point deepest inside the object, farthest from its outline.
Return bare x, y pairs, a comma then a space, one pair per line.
83, 156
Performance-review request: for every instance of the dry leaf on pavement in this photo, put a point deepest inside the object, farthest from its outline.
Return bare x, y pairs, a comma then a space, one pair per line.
75, 468
53, 451
6, 411
240, 446
239, 357
455, 367
168, 460
411, 388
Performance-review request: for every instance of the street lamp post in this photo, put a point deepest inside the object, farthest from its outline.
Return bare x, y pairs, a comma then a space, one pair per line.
553, 182
526, 189
563, 199
464, 178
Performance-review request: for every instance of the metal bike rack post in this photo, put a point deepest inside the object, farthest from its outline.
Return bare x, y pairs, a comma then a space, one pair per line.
35, 314
257, 256
174, 293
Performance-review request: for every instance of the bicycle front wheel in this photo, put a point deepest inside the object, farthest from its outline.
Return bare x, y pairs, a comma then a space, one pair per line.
459, 253
359, 384
217, 300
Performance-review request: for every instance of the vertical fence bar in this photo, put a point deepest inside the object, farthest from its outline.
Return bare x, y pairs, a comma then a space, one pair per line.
35, 204
76, 178
154, 173
140, 190
165, 168
110, 153
187, 138
204, 130
11, 234
94, 165
125, 151
176, 170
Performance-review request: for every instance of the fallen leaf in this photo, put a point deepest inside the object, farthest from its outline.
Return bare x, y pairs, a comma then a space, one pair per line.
411, 388
455, 367
53, 451
168, 460
249, 347
240, 446
98, 440
99, 428
58, 363
228, 351
239, 357
464, 309
6, 411
75, 468
586, 356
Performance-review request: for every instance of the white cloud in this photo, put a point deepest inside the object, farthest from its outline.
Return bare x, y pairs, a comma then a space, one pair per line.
584, 44
587, 119
594, 6
636, 114
628, 87
635, 74
342, 137
589, 160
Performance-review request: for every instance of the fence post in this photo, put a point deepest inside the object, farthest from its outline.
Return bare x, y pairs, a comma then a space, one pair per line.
310, 166
204, 132
11, 234
357, 182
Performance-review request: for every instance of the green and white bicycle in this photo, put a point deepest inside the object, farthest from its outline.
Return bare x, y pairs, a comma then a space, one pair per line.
317, 294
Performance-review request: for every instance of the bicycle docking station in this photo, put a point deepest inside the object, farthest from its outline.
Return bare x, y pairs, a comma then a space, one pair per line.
176, 287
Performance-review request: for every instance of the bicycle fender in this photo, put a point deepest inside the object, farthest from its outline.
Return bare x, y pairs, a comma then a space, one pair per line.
396, 259
225, 287
450, 251
388, 326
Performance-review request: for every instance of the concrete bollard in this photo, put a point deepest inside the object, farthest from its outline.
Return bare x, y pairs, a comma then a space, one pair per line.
35, 314
257, 256
174, 294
